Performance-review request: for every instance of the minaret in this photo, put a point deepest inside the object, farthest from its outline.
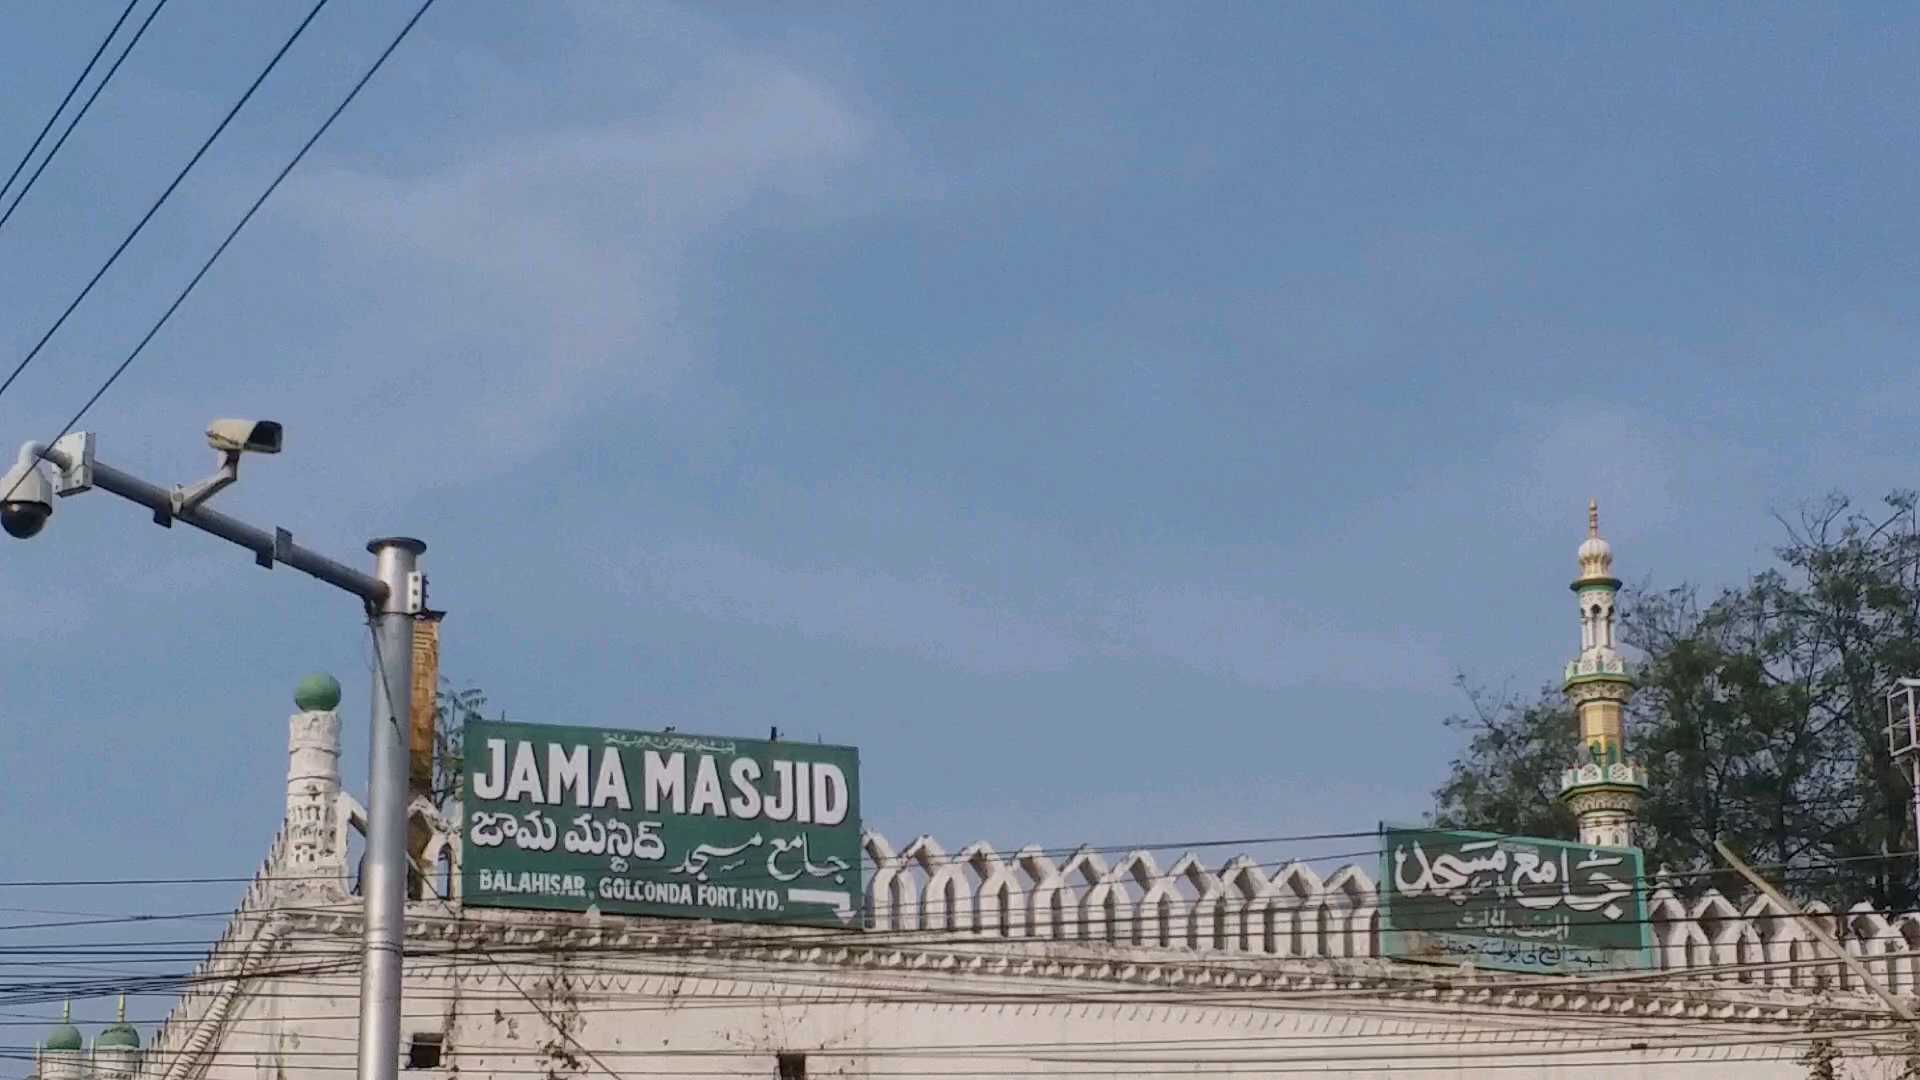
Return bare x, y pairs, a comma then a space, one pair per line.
1604, 790
312, 856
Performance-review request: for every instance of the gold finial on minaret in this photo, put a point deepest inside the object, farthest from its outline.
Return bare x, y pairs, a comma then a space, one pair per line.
120, 1014
66, 1011
1596, 555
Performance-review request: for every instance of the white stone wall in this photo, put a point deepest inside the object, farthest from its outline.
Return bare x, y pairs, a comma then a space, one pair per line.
63, 1065
978, 962
512, 999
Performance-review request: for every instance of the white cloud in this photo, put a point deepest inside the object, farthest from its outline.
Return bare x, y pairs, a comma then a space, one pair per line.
543, 275
1244, 637
932, 619
1590, 449
441, 319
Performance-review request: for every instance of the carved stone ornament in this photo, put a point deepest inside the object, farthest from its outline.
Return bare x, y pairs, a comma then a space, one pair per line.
1599, 690
1603, 799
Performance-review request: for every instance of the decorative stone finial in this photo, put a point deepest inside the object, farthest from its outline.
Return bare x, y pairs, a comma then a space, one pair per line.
120, 1011
317, 693
1593, 517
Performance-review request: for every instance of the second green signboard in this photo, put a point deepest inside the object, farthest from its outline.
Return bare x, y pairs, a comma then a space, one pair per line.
1515, 903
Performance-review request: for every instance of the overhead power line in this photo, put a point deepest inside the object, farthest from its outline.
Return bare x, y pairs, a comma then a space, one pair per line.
1691, 1031
138, 33
1487, 1042
165, 194
813, 992
677, 1002
71, 90
1640, 885
233, 233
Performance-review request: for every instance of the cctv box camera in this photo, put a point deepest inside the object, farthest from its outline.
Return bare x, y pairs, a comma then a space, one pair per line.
248, 436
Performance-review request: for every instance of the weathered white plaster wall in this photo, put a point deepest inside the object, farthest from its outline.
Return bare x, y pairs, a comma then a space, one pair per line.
979, 963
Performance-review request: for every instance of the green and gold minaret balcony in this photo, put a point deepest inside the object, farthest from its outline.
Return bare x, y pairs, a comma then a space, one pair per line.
1598, 687
1603, 769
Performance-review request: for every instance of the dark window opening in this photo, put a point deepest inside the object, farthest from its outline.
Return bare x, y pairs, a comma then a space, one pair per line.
423, 1052
792, 1066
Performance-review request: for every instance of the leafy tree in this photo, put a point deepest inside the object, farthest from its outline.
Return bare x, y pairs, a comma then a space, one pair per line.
452, 708
1509, 778
1760, 715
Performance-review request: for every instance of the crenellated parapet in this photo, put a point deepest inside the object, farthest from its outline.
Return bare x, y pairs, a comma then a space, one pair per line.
1095, 915
1141, 899
1241, 908
1124, 899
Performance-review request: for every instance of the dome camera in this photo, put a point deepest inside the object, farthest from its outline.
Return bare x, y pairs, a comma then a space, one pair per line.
26, 499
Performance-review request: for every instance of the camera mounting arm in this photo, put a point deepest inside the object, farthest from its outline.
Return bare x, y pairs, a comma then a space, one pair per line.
187, 496
229, 438
79, 471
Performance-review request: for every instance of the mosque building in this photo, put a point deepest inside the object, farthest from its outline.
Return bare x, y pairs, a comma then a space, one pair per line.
974, 961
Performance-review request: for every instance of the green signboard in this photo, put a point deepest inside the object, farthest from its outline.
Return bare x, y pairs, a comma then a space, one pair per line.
1512, 903
660, 823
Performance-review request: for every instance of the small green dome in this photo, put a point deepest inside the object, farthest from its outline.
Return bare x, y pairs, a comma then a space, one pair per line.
317, 693
64, 1037
119, 1035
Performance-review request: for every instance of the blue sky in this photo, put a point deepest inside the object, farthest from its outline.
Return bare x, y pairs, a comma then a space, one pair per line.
1120, 422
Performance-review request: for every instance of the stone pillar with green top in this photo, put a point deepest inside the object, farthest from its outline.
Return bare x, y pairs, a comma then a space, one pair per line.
313, 855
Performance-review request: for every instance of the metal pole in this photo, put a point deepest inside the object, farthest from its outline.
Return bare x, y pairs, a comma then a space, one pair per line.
1913, 763
394, 596
383, 877
1903, 738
